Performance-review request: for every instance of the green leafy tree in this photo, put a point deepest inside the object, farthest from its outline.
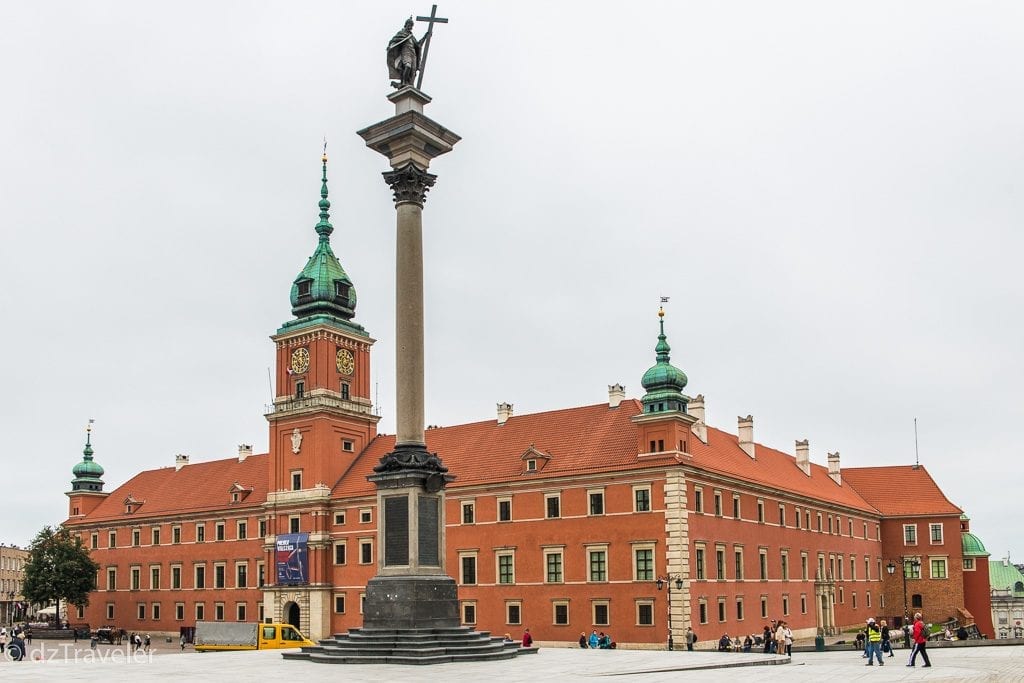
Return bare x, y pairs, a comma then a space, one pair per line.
59, 568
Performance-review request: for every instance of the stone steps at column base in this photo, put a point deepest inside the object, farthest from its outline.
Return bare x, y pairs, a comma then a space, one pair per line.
412, 646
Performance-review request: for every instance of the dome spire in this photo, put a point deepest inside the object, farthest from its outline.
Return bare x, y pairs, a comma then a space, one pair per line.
663, 381
324, 227
87, 473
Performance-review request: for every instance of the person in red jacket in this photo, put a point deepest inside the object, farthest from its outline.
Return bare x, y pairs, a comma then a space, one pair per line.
920, 639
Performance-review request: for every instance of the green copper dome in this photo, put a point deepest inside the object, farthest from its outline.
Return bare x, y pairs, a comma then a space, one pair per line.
664, 382
88, 472
972, 545
323, 287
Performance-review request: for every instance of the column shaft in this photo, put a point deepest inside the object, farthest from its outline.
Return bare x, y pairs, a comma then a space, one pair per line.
409, 325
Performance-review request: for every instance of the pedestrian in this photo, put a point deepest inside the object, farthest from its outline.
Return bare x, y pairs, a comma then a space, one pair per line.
748, 642
583, 640
920, 642
874, 639
147, 641
527, 638
593, 639
92, 640
16, 648
789, 641
886, 638
691, 638
780, 638
182, 641
862, 643
767, 636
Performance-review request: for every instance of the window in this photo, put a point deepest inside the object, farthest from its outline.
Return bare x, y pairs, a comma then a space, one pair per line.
916, 601
803, 603
300, 389
176, 577
365, 552
763, 564
785, 605
853, 568
513, 613
345, 395
698, 500
643, 564
703, 611
830, 523
200, 533
739, 609
218, 575
469, 613
243, 531
599, 609
699, 563
969, 564
468, 512
552, 505
595, 502
504, 509
819, 522
263, 528
110, 612
200, 611
136, 537
260, 577
112, 539
304, 287
803, 566
339, 604
598, 565
909, 534
641, 499
468, 565
218, 611
348, 445
339, 518
297, 480
241, 575
721, 609
365, 516
218, 531
867, 597
644, 613
142, 611
938, 568
849, 527
240, 611
560, 613
853, 598
156, 535
718, 503
200, 576
136, 580
531, 465
911, 569
737, 569
720, 563
785, 566
179, 611
935, 531
736, 507
764, 606
760, 511
553, 566
111, 578
340, 549
293, 524
797, 525
154, 578
506, 568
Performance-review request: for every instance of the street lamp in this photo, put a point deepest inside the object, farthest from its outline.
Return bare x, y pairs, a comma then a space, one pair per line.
915, 565
666, 582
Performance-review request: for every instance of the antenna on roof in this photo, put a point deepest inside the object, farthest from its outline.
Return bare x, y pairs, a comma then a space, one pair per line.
917, 459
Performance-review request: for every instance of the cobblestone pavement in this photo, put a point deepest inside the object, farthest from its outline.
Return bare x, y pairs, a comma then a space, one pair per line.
69, 662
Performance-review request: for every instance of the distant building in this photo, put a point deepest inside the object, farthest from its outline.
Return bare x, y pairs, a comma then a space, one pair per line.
12, 579
631, 516
1007, 582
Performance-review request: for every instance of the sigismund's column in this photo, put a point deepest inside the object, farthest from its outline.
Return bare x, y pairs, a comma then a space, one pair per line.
411, 589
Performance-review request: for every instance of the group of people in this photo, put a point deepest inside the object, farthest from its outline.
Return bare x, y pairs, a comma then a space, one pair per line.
13, 645
777, 638
596, 641
875, 640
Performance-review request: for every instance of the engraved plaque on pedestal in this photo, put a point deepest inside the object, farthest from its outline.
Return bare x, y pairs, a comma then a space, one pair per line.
429, 517
396, 531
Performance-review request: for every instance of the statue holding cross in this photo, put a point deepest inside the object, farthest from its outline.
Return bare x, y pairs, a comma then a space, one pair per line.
407, 56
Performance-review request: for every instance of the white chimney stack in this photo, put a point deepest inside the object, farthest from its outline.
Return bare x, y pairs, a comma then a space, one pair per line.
244, 451
696, 407
746, 435
833, 468
504, 412
803, 456
180, 461
616, 394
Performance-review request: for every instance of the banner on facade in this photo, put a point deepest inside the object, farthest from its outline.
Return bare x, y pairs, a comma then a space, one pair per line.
292, 559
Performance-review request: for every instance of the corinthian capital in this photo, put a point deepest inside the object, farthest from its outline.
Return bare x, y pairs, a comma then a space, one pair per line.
410, 183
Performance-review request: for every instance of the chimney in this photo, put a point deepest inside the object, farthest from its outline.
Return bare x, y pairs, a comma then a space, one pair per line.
504, 412
696, 407
180, 461
746, 435
803, 456
833, 468
244, 451
616, 392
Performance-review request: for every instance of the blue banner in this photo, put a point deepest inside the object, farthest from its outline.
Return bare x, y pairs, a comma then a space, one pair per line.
292, 559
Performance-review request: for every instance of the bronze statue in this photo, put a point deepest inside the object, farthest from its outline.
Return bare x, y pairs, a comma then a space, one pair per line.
404, 53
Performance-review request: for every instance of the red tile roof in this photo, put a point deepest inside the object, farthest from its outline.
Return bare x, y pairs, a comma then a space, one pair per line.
194, 488
900, 490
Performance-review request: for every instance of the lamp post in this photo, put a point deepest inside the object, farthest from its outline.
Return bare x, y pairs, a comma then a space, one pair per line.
666, 582
10, 608
915, 564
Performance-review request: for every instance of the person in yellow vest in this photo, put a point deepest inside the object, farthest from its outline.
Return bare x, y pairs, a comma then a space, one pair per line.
874, 643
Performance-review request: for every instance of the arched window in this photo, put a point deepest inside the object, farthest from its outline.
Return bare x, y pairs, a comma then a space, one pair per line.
1018, 587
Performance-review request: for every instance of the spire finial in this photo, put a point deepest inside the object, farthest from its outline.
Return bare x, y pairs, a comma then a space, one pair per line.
87, 452
324, 227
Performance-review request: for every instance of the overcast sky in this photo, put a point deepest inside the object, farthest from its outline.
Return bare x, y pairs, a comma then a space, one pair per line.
830, 193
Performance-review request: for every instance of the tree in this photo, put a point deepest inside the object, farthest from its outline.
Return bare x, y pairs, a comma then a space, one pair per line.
59, 568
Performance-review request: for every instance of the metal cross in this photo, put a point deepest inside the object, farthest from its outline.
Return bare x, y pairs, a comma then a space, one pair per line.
431, 20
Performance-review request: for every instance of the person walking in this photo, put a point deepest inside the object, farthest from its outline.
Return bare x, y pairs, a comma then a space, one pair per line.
920, 642
789, 641
874, 643
886, 638
780, 638
691, 638
527, 638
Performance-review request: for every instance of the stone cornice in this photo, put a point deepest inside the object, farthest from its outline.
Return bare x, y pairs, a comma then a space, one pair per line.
306, 336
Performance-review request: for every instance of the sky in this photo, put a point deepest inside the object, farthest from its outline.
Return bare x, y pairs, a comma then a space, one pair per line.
829, 193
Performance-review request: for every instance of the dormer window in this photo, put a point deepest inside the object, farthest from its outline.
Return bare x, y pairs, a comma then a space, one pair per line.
531, 465
305, 287
341, 291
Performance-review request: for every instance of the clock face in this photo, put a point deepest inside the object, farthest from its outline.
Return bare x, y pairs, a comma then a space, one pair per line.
346, 362
300, 360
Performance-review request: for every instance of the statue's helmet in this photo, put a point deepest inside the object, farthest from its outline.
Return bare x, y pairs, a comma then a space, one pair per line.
409, 23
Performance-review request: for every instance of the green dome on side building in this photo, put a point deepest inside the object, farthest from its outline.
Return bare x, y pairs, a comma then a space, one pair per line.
663, 381
972, 545
88, 472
